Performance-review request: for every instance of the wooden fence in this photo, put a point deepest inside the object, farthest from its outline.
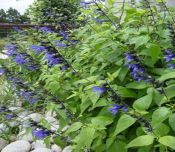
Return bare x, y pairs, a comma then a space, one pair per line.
11, 26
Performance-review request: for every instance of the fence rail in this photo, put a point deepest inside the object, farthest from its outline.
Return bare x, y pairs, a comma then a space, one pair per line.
11, 26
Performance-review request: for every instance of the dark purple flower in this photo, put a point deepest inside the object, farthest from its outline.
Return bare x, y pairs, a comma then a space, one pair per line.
115, 109
40, 134
38, 49
99, 90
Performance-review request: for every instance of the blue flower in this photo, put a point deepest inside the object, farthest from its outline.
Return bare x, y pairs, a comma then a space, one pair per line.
52, 60
115, 108
86, 4
38, 49
64, 35
17, 29
99, 90
19, 59
73, 41
40, 134
100, 21
136, 70
9, 116
28, 96
168, 51
11, 49
170, 55
3, 109
169, 59
32, 67
2, 71
64, 67
129, 57
171, 66
46, 30
60, 44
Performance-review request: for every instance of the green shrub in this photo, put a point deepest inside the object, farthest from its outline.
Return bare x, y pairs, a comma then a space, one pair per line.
53, 11
112, 80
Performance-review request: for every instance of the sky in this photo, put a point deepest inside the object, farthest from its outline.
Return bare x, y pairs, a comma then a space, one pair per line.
20, 5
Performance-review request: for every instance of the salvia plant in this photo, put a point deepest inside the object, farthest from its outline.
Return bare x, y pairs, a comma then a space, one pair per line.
111, 81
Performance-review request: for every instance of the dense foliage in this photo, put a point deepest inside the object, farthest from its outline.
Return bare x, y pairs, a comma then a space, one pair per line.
11, 16
111, 81
53, 11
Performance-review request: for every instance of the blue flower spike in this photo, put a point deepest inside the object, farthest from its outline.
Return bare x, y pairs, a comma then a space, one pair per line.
40, 134
99, 90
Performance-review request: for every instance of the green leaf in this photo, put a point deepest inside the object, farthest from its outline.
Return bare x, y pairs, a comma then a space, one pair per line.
85, 138
57, 140
124, 92
101, 103
117, 145
124, 122
166, 76
87, 80
62, 113
145, 149
169, 91
122, 74
74, 127
144, 140
172, 121
114, 75
159, 116
154, 51
85, 103
47, 141
93, 96
139, 40
137, 85
162, 130
110, 2
168, 141
143, 103
102, 121
45, 123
